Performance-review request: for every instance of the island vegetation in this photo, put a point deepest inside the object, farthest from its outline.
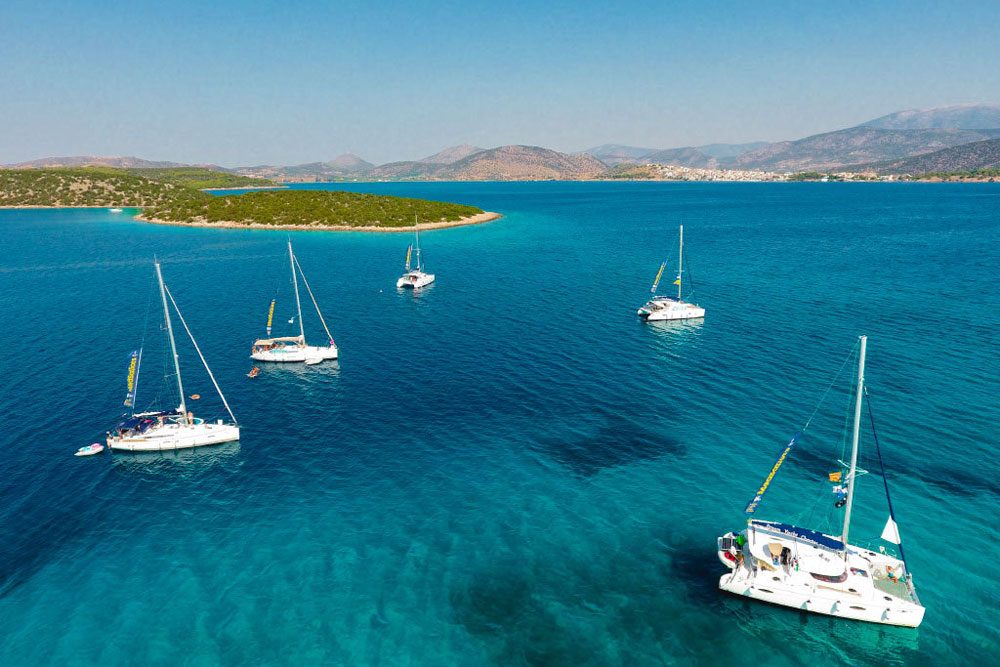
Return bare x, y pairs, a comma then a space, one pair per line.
203, 179
320, 208
86, 186
173, 196
974, 175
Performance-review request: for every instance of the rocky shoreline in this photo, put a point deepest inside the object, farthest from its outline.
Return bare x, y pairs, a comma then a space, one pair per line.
470, 220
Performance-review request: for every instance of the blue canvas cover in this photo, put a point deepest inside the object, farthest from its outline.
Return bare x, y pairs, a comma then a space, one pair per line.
813, 536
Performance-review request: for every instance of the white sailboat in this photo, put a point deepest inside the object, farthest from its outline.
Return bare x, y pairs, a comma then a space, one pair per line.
294, 348
169, 429
824, 574
661, 308
416, 278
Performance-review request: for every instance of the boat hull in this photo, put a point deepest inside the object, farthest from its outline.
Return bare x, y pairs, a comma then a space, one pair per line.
664, 315
857, 589
829, 603
296, 354
175, 436
415, 280
661, 309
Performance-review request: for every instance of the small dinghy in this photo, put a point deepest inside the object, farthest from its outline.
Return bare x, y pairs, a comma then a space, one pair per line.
90, 450
313, 361
254, 372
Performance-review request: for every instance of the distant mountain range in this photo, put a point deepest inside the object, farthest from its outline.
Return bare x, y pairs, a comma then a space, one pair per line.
116, 162
967, 157
459, 163
964, 117
854, 145
893, 137
710, 156
891, 142
453, 154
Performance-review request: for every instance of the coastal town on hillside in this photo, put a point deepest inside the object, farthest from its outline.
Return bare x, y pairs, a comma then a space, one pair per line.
666, 172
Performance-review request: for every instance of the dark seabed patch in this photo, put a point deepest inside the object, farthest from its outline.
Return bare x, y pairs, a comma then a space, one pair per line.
504, 609
35, 538
617, 442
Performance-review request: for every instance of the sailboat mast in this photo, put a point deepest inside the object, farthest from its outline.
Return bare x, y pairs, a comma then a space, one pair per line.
173, 345
295, 282
854, 445
680, 263
416, 226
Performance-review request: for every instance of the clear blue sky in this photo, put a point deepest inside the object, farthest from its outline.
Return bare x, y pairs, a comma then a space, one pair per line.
242, 83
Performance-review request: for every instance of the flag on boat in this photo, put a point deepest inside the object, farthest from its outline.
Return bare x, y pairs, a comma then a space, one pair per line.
835, 476
409, 249
752, 505
891, 532
678, 281
658, 274
133, 372
270, 316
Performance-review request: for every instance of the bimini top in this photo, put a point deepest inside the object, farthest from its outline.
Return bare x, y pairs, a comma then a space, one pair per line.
143, 420
286, 339
803, 534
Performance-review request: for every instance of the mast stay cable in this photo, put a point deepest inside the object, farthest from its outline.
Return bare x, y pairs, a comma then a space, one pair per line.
200, 355
306, 283
885, 481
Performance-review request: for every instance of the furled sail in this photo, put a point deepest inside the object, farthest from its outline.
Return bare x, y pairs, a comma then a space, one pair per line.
658, 274
133, 376
752, 505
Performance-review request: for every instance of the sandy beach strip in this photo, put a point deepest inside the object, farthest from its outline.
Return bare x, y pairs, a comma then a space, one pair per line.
470, 220
31, 206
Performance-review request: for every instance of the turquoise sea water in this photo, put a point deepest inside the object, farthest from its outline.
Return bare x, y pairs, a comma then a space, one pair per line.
509, 468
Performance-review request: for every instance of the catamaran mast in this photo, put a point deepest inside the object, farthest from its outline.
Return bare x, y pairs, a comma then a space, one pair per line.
854, 446
680, 263
295, 282
173, 345
416, 225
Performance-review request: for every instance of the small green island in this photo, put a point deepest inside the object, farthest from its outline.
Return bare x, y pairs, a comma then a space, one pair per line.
175, 196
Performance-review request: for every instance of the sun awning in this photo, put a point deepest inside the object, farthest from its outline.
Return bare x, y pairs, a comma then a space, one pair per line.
284, 339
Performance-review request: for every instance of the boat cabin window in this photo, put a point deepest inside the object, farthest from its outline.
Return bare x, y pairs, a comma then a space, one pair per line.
831, 579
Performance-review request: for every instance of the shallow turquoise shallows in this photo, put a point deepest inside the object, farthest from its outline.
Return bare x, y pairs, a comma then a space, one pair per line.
509, 467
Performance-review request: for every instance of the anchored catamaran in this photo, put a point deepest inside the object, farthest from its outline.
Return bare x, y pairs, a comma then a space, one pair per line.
416, 278
169, 429
668, 307
294, 348
824, 574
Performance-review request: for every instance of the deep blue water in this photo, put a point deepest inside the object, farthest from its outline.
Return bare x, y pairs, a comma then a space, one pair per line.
508, 468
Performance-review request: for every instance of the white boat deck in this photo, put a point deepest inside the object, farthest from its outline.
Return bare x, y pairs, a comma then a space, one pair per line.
806, 570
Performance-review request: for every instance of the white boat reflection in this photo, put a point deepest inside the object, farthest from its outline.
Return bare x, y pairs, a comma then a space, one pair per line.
176, 461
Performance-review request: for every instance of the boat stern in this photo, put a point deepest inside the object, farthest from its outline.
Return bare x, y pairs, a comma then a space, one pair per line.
730, 549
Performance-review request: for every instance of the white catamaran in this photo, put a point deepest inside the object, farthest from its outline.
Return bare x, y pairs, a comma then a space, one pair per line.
169, 429
815, 572
667, 307
416, 278
294, 348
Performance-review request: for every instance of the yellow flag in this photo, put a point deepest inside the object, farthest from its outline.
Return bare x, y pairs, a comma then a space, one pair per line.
677, 282
835, 476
